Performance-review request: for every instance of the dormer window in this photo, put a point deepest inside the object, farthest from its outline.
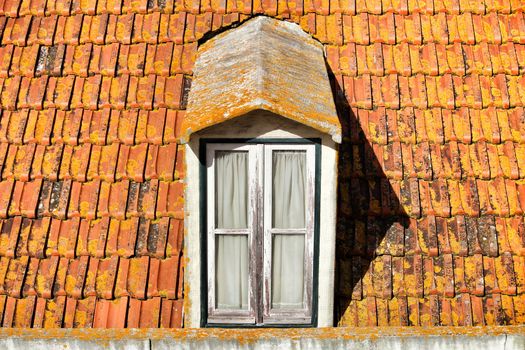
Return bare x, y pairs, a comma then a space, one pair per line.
260, 199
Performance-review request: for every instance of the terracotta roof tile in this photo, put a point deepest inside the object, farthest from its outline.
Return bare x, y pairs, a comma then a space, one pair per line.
98, 126
112, 240
121, 289
37, 237
137, 277
111, 314
9, 163
127, 237
106, 276
75, 278
117, 199
141, 247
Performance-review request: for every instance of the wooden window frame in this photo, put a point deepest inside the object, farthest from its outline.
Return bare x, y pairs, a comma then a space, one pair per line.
259, 313
271, 315
223, 315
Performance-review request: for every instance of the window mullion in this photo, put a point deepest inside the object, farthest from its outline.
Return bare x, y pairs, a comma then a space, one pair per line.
267, 212
252, 273
259, 233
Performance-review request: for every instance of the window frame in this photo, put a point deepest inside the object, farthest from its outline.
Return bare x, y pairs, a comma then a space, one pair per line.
270, 314
210, 317
224, 315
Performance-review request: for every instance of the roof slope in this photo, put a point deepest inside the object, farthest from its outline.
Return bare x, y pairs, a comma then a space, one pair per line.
264, 64
91, 175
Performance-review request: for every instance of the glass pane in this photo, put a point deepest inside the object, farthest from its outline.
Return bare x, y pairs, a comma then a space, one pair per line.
289, 189
231, 284
231, 174
287, 271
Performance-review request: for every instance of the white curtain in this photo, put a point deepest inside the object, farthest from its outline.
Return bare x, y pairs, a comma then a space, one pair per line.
289, 186
232, 189
287, 271
231, 284
289, 211
231, 272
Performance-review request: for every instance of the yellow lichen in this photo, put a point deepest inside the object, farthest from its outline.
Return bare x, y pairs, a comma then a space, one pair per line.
80, 318
70, 284
104, 282
92, 247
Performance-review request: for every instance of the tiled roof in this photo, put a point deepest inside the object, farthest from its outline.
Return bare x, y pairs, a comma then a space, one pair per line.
91, 201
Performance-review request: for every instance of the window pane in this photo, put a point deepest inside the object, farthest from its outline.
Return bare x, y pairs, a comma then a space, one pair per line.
232, 189
289, 189
287, 271
231, 284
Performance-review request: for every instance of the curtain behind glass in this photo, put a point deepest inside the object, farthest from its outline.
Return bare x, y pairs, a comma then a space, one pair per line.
231, 212
289, 188
232, 189
231, 285
287, 271
289, 211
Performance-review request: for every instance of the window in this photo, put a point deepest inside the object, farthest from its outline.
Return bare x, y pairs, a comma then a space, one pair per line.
260, 229
234, 95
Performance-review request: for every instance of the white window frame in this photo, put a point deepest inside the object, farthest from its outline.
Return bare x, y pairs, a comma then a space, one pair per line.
216, 315
260, 234
271, 315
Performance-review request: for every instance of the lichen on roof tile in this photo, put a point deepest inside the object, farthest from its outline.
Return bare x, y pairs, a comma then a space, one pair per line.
263, 64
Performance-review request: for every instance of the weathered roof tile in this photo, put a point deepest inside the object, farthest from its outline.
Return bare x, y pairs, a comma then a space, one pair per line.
108, 162
137, 278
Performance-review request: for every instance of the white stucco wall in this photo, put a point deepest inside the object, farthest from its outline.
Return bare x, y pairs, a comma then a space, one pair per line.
394, 338
261, 124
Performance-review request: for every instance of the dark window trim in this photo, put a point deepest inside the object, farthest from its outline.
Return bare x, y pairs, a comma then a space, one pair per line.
203, 224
